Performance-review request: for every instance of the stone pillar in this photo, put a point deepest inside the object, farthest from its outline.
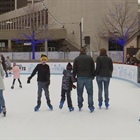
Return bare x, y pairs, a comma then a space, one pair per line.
9, 45
46, 47
15, 4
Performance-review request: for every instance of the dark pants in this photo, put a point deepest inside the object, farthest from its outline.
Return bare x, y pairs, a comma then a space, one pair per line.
43, 86
67, 93
18, 81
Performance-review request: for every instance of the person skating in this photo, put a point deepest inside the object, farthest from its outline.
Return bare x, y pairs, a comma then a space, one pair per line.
43, 79
103, 73
16, 75
2, 87
83, 69
4, 65
67, 85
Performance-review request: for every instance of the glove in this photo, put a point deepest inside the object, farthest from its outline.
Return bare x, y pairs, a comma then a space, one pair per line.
28, 81
73, 86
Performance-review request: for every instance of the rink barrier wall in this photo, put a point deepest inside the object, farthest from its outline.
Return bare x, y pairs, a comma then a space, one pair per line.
120, 71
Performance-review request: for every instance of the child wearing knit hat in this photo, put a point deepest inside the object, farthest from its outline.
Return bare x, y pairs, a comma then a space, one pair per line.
67, 85
43, 80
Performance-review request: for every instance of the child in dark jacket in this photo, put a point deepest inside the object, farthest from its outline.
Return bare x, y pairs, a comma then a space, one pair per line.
67, 85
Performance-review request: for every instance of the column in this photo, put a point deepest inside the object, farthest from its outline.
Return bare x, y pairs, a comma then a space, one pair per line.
9, 45
46, 47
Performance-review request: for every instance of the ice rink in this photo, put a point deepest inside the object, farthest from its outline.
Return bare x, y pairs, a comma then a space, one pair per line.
119, 122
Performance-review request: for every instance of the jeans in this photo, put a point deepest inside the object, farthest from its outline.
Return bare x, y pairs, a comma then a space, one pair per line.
44, 86
88, 84
2, 101
100, 82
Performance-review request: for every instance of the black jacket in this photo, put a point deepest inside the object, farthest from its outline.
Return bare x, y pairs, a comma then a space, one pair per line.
104, 66
43, 73
67, 80
83, 66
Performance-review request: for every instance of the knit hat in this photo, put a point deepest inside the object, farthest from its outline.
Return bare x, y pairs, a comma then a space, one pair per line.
44, 57
69, 66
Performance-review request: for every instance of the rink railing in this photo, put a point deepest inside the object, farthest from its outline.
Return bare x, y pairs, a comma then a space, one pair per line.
121, 71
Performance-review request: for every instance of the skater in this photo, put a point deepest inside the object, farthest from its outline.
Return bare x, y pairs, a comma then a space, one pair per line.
4, 65
2, 87
8, 65
103, 73
67, 85
83, 68
43, 79
16, 75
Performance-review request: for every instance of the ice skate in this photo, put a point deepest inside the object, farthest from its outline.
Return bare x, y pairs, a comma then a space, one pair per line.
37, 108
12, 87
20, 86
50, 106
91, 109
100, 105
71, 109
4, 111
106, 104
38, 105
61, 105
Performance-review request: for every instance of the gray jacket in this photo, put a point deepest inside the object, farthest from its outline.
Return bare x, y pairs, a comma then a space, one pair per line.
67, 80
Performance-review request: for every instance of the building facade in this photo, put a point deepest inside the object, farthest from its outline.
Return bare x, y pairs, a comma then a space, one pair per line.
69, 21
11, 5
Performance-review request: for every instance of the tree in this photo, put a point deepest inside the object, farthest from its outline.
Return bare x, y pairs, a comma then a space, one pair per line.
120, 23
32, 27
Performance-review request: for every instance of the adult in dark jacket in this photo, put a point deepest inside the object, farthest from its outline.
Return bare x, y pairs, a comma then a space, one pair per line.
103, 73
43, 79
83, 69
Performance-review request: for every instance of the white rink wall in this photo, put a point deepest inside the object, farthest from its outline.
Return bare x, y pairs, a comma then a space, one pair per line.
121, 71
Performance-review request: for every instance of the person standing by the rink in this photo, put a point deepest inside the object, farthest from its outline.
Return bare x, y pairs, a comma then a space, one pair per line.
103, 73
43, 79
2, 87
16, 75
67, 85
83, 68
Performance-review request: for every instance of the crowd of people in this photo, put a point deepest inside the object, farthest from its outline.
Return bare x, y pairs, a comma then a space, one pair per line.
78, 76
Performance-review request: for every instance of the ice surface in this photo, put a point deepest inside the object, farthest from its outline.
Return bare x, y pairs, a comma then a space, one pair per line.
119, 122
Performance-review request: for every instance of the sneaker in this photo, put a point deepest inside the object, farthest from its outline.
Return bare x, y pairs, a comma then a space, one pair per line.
50, 106
20, 86
61, 105
91, 109
4, 111
71, 109
100, 104
12, 87
106, 104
